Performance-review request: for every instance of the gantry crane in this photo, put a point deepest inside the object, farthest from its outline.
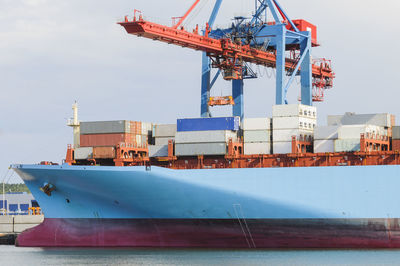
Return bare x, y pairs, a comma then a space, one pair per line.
281, 43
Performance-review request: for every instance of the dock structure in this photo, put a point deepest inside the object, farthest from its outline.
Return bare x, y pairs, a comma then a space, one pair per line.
12, 225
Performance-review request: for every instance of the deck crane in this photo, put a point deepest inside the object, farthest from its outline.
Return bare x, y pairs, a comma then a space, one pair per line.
282, 43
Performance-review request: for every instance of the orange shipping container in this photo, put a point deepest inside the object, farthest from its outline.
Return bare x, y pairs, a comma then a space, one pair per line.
104, 152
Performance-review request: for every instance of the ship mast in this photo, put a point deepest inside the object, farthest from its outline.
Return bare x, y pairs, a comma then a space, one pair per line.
75, 124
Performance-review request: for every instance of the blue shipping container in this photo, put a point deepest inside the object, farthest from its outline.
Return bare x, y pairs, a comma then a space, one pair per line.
207, 124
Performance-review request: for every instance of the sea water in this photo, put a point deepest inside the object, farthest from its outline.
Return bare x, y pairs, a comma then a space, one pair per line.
10, 255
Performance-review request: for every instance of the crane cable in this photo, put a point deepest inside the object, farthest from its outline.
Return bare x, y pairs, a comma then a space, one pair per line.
195, 13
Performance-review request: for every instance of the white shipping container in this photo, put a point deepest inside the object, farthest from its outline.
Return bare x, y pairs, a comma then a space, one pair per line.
294, 110
326, 132
257, 136
257, 148
323, 146
355, 131
282, 147
205, 136
383, 120
195, 149
294, 123
257, 123
284, 135
347, 145
158, 151
147, 128
83, 153
163, 140
167, 130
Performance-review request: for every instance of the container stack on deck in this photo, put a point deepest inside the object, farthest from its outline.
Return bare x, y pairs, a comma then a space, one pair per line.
343, 132
98, 140
205, 136
162, 135
257, 136
292, 120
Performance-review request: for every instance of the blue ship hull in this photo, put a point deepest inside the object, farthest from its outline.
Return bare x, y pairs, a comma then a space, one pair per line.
259, 207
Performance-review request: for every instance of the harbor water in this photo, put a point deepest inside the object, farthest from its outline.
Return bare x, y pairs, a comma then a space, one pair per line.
10, 255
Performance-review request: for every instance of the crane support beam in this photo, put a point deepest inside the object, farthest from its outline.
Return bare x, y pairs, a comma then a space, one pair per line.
237, 93
206, 69
213, 47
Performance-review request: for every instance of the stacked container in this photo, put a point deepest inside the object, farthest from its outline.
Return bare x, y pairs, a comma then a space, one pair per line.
99, 139
344, 138
162, 134
205, 136
257, 136
396, 138
291, 120
343, 132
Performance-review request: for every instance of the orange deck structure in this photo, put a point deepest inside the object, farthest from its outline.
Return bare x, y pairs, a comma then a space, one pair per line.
374, 151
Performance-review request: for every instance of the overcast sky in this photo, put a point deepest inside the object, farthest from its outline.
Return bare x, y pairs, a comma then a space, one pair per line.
53, 52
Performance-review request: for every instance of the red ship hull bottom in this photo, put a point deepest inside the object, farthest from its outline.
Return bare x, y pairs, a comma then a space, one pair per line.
210, 233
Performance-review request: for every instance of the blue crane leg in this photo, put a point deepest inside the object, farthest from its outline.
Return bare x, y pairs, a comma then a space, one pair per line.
206, 70
237, 93
205, 86
306, 72
280, 65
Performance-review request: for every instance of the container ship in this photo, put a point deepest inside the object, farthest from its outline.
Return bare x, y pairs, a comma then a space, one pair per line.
227, 182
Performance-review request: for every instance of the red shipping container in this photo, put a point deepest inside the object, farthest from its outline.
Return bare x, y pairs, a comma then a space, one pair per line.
96, 140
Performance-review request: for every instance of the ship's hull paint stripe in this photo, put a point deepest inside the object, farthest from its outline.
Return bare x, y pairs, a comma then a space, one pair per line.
214, 233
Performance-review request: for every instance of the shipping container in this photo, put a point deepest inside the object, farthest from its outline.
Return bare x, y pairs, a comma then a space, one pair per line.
326, 132
83, 153
283, 147
205, 136
257, 136
158, 151
303, 123
383, 120
396, 132
347, 145
167, 130
396, 145
96, 140
324, 146
208, 124
296, 110
104, 152
257, 148
163, 141
355, 131
256, 124
105, 127
147, 129
284, 135
136, 128
195, 149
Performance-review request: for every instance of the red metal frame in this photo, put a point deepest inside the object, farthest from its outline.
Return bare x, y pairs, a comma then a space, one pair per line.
130, 155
